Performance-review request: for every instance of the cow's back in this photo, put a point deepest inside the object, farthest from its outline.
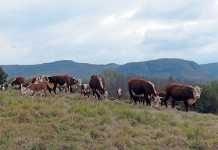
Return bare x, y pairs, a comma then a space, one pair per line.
179, 91
139, 86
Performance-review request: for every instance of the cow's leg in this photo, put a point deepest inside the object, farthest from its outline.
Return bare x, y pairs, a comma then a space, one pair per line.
165, 100
143, 99
134, 99
45, 92
148, 102
98, 95
186, 106
71, 89
173, 103
54, 89
49, 89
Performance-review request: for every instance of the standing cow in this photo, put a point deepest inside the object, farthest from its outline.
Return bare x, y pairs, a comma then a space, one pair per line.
18, 81
182, 92
142, 90
62, 81
34, 88
97, 85
85, 90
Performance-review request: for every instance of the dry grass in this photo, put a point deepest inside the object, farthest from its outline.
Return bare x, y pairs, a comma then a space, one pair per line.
73, 122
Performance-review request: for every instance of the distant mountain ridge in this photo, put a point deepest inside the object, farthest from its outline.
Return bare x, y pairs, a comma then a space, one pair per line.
160, 68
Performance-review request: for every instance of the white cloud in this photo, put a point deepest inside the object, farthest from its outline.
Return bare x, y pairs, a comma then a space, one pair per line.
107, 31
11, 52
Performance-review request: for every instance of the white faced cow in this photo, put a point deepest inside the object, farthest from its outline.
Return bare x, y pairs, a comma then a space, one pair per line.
182, 92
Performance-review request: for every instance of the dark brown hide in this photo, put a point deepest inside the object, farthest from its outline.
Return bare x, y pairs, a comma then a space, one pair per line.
97, 85
179, 92
141, 90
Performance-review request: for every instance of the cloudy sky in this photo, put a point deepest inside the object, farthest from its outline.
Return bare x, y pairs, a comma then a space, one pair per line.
97, 31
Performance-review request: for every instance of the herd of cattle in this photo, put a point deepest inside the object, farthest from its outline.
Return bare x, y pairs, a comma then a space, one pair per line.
140, 91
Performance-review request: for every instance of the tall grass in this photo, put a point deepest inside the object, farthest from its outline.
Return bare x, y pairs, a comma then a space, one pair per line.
74, 122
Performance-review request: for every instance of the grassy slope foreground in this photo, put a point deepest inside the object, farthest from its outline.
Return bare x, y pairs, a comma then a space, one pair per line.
73, 122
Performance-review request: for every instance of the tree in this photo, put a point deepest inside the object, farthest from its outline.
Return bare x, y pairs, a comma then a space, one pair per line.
115, 80
3, 76
208, 102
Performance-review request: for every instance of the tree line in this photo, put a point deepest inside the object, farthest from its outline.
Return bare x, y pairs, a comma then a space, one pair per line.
208, 103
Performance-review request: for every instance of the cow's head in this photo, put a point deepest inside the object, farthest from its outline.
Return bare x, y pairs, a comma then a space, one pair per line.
156, 99
197, 92
196, 95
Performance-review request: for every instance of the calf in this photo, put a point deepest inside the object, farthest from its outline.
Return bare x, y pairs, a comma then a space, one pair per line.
32, 89
98, 87
85, 90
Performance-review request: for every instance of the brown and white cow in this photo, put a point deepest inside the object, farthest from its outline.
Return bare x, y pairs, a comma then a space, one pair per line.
18, 81
85, 89
35, 88
98, 86
182, 92
62, 81
142, 90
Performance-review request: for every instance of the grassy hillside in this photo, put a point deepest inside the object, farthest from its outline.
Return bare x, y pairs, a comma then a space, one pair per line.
73, 122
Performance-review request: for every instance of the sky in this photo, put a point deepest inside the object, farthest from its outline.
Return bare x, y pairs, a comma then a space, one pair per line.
109, 31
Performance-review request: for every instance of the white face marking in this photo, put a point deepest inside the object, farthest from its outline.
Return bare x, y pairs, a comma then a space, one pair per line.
197, 92
101, 83
119, 91
157, 101
152, 84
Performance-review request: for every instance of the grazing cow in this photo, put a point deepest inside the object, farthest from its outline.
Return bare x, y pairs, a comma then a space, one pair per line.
85, 90
62, 81
119, 93
142, 90
182, 92
41, 88
18, 81
97, 85
162, 96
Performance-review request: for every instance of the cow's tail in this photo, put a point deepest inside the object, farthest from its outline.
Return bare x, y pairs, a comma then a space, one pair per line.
131, 95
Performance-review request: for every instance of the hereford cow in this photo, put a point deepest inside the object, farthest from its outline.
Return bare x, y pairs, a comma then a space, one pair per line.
36, 88
182, 92
162, 96
62, 81
97, 85
85, 89
142, 90
18, 81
